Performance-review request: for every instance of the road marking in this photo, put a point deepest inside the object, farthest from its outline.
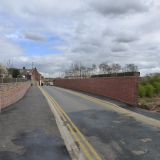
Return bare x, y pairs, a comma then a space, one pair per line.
116, 108
73, 132
81, 135
72, 148
89, 152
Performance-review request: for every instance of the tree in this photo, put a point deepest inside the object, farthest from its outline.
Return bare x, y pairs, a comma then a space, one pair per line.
131, 68
82, 70
115, 68
108, 68
3, 70
142, 91
149, 90
105, 68
93, 69
102, 67
14, 72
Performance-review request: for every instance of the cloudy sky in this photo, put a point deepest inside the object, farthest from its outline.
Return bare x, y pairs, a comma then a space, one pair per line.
56, 33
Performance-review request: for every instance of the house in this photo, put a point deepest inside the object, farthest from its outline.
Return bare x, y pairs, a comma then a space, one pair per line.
33, 75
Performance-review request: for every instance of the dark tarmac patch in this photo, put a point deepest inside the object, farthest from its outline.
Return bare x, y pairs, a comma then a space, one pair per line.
36, 145
115, 134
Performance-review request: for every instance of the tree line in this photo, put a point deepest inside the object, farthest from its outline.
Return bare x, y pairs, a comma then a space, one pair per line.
80, 70
7, 72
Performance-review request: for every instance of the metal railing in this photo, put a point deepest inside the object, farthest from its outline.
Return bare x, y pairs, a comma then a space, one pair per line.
12, 80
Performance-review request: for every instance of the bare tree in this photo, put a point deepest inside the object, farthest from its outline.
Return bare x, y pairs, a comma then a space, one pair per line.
79, 70
108, 68
82, 70
94, 67
131, 68
3, 70
75, 70
105, 68
115, 68
102, 67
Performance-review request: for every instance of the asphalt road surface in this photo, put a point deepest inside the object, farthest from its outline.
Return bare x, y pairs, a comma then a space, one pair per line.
28, 131
114, 135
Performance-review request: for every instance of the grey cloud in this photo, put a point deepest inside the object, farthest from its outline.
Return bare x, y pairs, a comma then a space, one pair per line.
123, 38
89, 36
34, 37
119, 48
119, 7
86, 47
83, 49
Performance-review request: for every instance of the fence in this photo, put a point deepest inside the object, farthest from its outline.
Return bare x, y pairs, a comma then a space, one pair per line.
12, 80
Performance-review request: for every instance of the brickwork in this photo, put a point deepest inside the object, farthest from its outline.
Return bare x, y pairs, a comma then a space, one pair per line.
37, 78
12, 92
124, 89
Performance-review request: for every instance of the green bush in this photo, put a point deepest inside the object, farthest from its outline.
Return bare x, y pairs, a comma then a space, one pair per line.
142, 91
154, 79
149, 86
156, 85
150, 90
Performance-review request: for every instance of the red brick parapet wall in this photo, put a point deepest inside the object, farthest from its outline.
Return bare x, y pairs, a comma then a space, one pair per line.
12, 92
124, 89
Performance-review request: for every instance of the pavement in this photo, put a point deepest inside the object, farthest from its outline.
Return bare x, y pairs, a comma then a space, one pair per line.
114, 135
28, 131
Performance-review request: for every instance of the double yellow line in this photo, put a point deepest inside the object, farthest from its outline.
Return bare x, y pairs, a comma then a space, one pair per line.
113, 107
87, 149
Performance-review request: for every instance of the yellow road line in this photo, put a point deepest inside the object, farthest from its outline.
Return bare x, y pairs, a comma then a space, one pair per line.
91, 153
81, 135
77, 139
116, 108
83, 138
86, 152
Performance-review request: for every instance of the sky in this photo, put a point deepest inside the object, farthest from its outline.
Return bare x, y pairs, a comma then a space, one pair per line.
53, 34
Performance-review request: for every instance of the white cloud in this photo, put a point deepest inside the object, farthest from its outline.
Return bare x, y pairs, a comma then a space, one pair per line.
9, 50
91, 31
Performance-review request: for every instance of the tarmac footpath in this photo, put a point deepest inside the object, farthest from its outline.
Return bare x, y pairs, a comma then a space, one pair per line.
28, 130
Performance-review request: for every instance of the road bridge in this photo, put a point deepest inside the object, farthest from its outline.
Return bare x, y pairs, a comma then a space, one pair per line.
74, 125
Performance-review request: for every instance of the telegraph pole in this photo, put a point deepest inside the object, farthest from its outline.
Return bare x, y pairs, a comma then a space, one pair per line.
32, 64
